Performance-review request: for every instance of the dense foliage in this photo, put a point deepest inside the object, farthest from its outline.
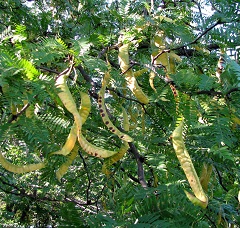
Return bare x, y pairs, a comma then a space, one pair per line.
189, 56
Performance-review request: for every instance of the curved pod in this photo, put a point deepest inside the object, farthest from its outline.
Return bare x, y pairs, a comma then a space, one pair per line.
186, 163
104, 114
19, 169
72, 137
123, 58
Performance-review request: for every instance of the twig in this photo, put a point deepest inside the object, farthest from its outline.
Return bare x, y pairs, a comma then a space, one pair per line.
21, 193
131, 176
47, 69
130, 67
14, 117
88, 176
121, 95
160, 53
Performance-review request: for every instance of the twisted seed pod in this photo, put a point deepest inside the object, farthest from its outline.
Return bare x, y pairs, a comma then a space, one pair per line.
72, 137
188, 168
67, 99
123, 58
104, 114
20, 169
167, 60
70, 142
86, 146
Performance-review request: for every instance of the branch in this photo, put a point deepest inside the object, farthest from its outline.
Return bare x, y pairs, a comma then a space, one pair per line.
21, 193
231, 91
47, 69
84, 74
199, 37
139, 164
207, 92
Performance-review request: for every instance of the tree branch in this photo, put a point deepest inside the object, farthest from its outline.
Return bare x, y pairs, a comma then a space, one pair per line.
21, 193
139, 164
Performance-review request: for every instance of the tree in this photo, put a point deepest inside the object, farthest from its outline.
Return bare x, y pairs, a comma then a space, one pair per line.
154, 80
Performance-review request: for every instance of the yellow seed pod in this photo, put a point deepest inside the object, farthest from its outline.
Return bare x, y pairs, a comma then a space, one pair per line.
104, 114
72, 137
85, 107
123, 58
67, 99
70, 142
94, 150
116, 157
188, 168
19, 169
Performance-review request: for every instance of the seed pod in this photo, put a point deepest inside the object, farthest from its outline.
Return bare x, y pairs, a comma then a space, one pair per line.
72, 137
104, 115
188, 168
123, 58
20, 169
116, 157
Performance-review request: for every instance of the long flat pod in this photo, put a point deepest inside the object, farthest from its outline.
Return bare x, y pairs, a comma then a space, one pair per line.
186, 163
72, 137
123, 58
19, 169
104, 115
116, 157
94, 150
67, 99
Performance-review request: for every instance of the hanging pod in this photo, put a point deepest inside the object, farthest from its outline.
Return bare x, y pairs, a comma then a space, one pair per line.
200, 197
104, 115
123, 58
